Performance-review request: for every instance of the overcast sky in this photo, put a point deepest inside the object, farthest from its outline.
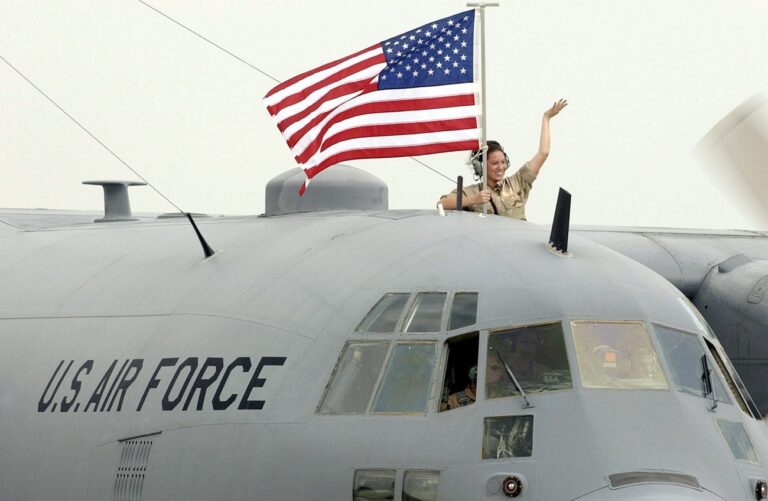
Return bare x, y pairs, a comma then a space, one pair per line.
645, 81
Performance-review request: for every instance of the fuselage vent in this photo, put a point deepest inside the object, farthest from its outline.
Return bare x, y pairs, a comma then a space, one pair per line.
132, 469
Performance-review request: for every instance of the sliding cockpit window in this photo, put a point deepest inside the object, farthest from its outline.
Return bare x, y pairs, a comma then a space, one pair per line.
460, 381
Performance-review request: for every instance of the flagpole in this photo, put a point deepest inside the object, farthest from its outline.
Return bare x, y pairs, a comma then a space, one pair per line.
480, 9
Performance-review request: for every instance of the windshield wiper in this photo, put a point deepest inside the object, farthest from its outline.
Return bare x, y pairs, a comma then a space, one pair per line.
526, 404
706, 380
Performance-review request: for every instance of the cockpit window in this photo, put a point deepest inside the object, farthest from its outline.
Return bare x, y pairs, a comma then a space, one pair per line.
463, 310
374, 484
535, 355
384, 315
352, 384
420, 485
460, 383
683, 352
426, 312
405, 387
617, 355
507, 437
737, 439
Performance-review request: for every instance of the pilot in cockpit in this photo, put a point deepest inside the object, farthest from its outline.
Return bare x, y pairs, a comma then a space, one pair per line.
467, 396
518, 350
523, 360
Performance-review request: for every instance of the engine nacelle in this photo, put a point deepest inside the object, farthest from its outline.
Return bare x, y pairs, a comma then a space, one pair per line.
734, 300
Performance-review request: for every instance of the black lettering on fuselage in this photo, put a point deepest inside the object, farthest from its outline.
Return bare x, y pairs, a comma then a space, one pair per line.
168, 403
42, 404
153, 381
112, 387
99, 391
257, 382
202, 383
218, 404
76, 385
127, 380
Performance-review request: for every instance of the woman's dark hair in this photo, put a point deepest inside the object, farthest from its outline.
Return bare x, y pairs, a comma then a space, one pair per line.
477, 160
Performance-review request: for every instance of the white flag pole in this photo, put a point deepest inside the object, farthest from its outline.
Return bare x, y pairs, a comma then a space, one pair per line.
480, 9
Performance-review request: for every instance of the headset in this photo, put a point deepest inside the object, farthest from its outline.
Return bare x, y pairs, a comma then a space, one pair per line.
476, 158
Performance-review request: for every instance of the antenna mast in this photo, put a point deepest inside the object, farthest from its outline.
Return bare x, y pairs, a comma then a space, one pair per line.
480, 9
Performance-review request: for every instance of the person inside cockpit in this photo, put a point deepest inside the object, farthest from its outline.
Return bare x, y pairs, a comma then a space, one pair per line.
523, 362
518, 350
505, 196
468, 395
497, 383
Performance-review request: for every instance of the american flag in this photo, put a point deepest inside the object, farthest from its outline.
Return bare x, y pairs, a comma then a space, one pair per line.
413, 94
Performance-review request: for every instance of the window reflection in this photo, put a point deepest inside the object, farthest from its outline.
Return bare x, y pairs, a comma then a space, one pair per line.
405, 388
384, 315
463, 310
737, 439
420, 485
350, 389
617, 355
535, 355
507, 437
683, 352
426, 312
374, 484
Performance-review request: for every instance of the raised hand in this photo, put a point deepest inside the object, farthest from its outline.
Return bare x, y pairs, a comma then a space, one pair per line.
556, 108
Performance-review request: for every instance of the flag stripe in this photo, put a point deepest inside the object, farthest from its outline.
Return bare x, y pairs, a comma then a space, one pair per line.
272, 95
378, 108
369, 96
338, 92
393, 151
401, 129
367, 69
389, 141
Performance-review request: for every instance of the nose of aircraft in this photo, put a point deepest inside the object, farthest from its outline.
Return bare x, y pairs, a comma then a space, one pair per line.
650, 492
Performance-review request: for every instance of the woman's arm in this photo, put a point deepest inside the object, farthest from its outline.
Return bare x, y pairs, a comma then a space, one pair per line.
481, 197
544, 141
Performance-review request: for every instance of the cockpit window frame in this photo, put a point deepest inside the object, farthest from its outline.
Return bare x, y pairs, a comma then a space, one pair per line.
407, 309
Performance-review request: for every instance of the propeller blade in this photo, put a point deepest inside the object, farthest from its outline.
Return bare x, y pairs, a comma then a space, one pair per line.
735, 152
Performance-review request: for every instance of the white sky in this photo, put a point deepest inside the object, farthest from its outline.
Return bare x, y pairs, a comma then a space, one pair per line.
646, 80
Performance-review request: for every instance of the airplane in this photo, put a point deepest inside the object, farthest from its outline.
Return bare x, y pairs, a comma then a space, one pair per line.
334, 349
315, 355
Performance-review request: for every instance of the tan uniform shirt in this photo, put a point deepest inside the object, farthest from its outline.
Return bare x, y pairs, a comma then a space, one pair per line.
461, 398
508, 197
